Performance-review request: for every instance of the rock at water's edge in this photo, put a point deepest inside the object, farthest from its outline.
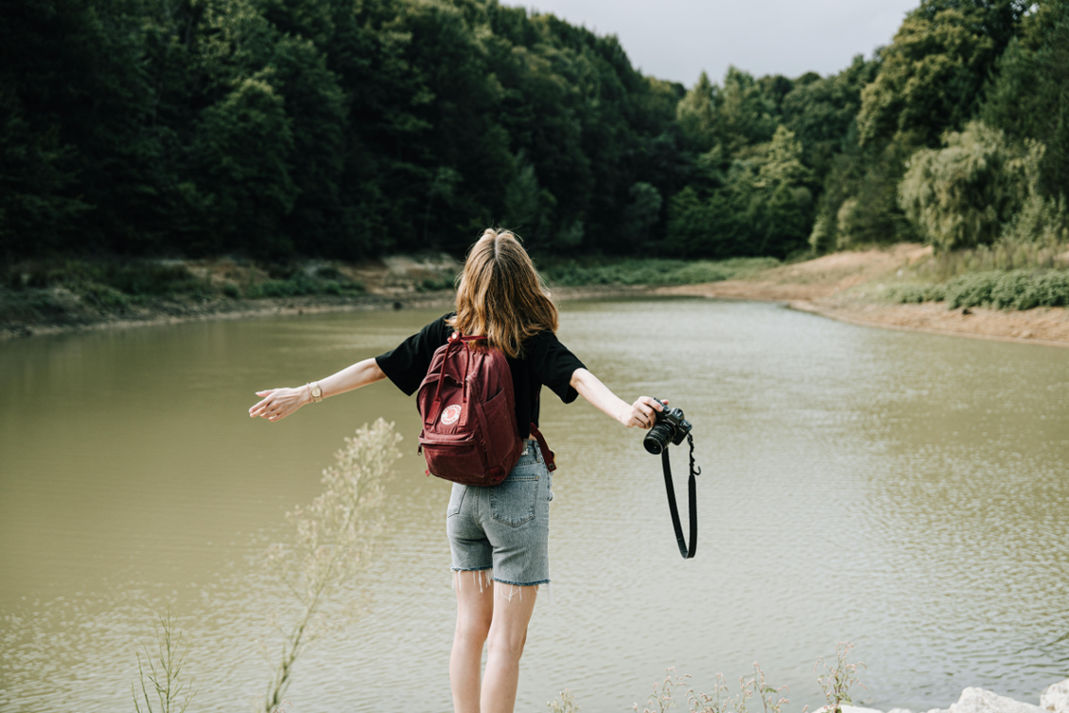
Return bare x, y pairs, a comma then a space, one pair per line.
1056, 698
977, 700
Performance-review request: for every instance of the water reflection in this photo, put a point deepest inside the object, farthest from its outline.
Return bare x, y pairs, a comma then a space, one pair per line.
905, 492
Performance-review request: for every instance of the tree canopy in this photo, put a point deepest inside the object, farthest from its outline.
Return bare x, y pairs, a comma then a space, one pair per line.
352, 128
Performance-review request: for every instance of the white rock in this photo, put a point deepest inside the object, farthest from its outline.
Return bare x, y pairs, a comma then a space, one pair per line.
1056, 698
977, 700
858, 709
849, 709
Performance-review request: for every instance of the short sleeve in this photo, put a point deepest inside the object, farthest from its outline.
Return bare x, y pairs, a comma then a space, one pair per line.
553, 364
407, 364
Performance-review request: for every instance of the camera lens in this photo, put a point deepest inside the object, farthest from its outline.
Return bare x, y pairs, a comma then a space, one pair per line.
657, 439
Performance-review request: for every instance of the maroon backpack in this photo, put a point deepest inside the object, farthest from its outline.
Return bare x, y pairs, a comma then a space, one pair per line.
468, 407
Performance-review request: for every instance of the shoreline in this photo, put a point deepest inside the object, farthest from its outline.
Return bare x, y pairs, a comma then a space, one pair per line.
846, 287
850, 287
245, 310
286, 306
914, 318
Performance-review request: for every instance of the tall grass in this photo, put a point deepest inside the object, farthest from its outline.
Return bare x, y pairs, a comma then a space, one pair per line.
838, 677
127, 282
648, 271
1003, 255
164, 689
331, 540
329, 545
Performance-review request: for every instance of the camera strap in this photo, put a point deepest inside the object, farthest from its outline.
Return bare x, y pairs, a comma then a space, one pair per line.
692, 488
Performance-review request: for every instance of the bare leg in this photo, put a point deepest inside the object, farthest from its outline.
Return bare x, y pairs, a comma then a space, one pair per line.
512, 611
475, 608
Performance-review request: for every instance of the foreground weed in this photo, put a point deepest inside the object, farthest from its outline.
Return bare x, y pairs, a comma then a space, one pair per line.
160, 673
718, 701
754, 686
331, 539
329, 545
663, 696
751, 688
565, 703
757, 687
838, 677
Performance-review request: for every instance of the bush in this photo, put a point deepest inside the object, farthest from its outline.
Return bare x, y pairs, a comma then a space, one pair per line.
130, 277
300, 284
912, 294
105, 297
971, 290
292, 287
151, 278
1016, 289
440, 282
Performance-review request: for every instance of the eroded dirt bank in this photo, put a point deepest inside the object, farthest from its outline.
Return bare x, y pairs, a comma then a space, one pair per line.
848, 286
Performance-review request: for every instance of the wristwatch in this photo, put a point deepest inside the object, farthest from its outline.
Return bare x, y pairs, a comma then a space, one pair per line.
317, 393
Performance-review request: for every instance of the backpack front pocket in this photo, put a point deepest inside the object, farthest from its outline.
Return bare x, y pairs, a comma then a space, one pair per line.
461, 461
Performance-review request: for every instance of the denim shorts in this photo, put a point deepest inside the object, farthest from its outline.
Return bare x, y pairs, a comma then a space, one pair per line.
504, 528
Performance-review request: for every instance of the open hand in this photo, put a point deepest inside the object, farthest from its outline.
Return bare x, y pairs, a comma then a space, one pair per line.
276, 404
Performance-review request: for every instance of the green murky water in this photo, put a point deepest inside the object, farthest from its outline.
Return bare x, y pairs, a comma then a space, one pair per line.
905, 492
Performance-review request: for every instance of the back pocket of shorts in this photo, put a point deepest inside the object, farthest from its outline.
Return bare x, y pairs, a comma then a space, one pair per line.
513, 501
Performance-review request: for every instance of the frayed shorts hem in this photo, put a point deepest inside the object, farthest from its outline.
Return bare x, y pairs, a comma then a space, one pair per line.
499, 580
522, 584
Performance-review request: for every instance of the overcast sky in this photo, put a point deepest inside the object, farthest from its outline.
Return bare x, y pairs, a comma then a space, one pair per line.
677, 39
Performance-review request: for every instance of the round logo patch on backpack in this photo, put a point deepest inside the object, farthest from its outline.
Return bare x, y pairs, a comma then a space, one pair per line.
451, 414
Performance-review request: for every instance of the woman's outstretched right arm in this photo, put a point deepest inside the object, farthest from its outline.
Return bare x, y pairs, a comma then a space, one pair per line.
276, 404
641, 414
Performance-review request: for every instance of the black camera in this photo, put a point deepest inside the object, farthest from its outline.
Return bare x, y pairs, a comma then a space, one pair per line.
670, 426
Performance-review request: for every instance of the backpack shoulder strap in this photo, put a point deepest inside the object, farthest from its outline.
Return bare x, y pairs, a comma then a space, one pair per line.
547, 455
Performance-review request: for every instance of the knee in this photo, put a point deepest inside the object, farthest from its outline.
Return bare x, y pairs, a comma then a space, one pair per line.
506, 644
471, 634
472, 630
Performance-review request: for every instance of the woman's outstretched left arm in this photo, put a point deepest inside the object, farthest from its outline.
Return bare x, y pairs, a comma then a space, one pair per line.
276, 404
641, 414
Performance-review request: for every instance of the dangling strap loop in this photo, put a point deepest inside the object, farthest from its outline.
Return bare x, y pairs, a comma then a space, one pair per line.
692, 491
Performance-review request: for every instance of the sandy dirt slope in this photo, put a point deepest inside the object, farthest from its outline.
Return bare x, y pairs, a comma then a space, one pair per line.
842, 286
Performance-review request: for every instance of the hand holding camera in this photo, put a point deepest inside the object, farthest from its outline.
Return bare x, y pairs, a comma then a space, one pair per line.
670, 426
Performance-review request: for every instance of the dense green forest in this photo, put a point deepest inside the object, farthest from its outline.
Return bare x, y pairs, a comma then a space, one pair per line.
351, 128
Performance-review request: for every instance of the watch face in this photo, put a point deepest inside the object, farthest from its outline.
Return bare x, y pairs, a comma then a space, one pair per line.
317, 392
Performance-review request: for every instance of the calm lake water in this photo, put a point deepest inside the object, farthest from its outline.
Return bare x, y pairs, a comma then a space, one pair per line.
907, 493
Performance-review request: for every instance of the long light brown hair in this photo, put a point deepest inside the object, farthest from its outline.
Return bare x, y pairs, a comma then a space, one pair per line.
501, 295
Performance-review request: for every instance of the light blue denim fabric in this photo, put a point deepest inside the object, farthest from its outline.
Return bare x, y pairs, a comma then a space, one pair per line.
504, 528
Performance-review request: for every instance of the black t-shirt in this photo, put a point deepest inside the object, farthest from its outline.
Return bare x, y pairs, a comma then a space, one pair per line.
544, 361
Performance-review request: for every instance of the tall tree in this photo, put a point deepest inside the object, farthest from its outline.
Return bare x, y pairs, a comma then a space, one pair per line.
1029, 95
931, 76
